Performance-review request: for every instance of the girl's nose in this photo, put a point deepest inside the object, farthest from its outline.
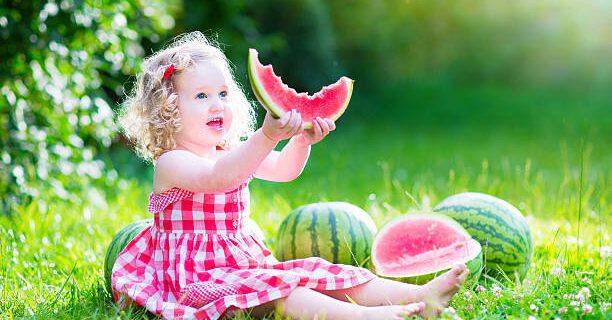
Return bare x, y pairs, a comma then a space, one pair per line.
217, 105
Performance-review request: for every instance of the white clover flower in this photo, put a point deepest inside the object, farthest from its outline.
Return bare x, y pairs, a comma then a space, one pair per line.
467, 294
450, 310
604, 306
583, 295
587, 309
605, 252
562, 310
574, 240
533, 307
557, 271
574, 303
532, 318
480, 288
496, 289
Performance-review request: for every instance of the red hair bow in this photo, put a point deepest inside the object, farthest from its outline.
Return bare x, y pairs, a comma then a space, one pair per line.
168, 71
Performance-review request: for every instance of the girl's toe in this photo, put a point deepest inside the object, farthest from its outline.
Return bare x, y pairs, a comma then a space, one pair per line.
414, 308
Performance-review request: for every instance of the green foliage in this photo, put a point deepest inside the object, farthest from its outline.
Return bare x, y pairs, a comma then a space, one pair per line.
306, 56
62, 72
549, 43
296, 36
552, 45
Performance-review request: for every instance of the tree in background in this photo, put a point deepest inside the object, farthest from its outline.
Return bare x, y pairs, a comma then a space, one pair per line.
295, 35
552, 45
549, 43
63, 65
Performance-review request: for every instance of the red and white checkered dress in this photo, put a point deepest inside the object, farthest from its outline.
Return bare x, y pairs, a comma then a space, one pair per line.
200, 259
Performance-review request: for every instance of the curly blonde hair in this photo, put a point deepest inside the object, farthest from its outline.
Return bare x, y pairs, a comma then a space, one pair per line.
150, 116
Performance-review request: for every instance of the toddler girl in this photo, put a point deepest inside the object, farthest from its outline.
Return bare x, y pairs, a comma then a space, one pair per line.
200, 258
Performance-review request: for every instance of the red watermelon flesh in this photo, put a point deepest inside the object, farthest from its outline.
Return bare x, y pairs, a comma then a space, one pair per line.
421, 245
330, 102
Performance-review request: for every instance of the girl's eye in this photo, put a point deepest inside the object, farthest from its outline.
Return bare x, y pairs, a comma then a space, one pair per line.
223, 94
201, 95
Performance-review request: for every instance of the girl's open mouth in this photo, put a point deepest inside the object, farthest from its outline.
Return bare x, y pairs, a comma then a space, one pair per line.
215, 123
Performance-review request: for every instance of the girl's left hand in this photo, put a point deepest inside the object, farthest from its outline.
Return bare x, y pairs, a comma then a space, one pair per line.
320, 128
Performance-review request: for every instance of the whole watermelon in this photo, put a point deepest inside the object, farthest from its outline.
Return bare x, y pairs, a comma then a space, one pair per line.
339, 232
500, 228
119, 242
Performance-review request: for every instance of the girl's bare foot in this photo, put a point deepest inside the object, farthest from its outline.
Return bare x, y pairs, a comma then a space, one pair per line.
438, 292
393, 312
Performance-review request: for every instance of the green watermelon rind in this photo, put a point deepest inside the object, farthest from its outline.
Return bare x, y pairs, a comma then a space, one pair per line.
474, 263
116, 246
335, 231
276, 111
502, 231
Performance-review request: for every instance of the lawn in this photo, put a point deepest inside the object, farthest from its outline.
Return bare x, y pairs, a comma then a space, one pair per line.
548, 153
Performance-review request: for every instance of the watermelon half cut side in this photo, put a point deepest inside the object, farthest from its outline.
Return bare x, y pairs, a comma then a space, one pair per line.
330, 102
418, 247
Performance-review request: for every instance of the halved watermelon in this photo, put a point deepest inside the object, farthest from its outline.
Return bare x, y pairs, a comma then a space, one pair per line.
418, 247
278, 98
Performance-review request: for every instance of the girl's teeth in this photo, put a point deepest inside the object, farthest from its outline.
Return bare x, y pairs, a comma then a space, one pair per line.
216, 123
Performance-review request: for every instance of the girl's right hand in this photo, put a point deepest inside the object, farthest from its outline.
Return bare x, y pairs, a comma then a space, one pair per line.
289, 125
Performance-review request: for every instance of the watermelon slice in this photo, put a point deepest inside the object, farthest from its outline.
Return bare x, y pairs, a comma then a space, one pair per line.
418, 247
278, 98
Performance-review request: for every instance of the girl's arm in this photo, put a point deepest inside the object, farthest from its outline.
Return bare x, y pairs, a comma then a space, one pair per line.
289, 163
183, 169
285, 165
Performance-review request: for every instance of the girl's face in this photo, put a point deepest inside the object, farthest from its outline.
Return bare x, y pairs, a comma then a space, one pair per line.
203, 95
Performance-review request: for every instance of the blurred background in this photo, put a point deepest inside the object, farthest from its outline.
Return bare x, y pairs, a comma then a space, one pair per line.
444, 90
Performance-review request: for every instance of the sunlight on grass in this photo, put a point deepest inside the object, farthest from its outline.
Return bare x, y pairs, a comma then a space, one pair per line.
51, 255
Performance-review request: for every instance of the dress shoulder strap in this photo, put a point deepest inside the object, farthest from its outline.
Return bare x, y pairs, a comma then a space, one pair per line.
159, 201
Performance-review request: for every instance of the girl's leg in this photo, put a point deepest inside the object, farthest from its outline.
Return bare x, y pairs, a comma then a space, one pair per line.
379, 292
305, 303
436, 294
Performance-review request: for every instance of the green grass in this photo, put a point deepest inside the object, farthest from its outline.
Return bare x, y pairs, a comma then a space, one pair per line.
548, 154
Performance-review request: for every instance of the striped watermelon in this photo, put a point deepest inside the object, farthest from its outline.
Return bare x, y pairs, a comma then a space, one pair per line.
335, 231
418, 247
498, 226
119, 242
